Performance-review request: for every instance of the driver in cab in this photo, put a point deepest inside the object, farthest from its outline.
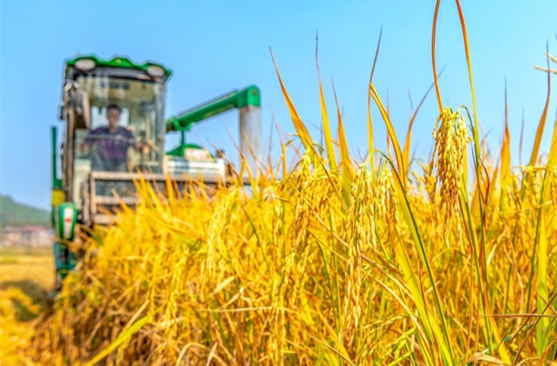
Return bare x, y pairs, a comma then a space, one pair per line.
110, 143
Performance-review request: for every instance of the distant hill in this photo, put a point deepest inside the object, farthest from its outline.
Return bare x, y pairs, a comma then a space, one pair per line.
18, 214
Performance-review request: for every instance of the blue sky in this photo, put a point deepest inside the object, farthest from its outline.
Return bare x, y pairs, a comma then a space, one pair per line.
217, 46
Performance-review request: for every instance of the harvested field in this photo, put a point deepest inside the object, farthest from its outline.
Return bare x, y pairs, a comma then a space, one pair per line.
26, 277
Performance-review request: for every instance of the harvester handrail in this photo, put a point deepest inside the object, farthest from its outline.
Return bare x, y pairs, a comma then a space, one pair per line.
207, 179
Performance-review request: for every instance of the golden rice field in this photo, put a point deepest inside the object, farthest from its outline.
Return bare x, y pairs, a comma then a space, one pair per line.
329, 261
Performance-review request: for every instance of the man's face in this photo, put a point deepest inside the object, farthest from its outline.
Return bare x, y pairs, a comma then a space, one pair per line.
113, 116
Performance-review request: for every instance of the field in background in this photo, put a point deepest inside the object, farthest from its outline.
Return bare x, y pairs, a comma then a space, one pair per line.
26, 278
29, 269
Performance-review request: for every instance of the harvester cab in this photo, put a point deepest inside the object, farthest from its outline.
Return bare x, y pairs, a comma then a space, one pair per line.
114, 135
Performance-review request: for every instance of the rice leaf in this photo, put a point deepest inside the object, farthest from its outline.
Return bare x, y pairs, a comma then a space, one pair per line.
331, 157
118, 341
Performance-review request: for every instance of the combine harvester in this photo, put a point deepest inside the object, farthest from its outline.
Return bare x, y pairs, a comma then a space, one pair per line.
114, 134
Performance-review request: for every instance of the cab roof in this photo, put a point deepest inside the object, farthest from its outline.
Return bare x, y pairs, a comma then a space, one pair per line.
117, 62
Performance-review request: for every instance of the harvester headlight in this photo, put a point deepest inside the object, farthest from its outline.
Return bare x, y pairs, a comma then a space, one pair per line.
155, 71
85, 64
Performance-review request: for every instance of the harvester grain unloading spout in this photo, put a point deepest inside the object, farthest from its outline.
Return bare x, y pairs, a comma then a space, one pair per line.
247, 101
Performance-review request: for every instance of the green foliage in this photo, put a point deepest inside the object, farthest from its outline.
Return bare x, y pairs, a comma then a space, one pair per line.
16, 214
